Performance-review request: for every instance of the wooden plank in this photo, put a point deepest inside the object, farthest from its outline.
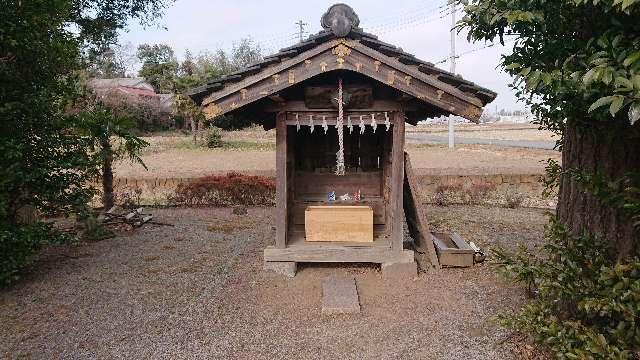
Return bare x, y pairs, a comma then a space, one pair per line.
268, 72
336, 253
378, 106
449, 254
416, 219
281, 181
298, 207
397, 177
339, 223
415, 73
323, 96
311, 183
436, 95
385, 69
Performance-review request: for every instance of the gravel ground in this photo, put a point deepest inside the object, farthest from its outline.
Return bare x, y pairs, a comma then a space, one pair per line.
197, 290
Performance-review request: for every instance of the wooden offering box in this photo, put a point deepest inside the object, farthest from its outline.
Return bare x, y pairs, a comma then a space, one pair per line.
452, 250
340, 223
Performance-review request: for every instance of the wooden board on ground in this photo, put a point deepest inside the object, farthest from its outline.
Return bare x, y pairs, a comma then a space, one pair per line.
339, 223
417, 221
453, 251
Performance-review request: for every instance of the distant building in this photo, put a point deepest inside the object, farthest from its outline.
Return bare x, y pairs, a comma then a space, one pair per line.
138, 93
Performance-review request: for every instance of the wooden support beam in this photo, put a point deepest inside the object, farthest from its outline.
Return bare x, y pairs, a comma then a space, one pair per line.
337, 253
416, 219
281, 181
397, 179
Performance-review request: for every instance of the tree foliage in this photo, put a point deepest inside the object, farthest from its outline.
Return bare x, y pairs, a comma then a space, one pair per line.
44, 164
577, 63
571, 58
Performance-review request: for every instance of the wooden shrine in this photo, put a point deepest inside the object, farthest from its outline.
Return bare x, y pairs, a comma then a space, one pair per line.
339, 102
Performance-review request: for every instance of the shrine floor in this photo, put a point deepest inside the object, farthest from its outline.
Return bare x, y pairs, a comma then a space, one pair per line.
197, 290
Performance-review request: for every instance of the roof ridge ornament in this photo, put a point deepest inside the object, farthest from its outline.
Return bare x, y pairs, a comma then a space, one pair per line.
340, 19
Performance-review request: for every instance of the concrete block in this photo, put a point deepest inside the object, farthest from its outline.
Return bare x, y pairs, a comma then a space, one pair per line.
285, 268
340, 296
399, 270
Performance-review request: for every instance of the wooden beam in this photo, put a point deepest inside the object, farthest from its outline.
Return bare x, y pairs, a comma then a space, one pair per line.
397, 179
336, 253
268, 72
281, 181
377, 106
345, 55
416, 219
397, 65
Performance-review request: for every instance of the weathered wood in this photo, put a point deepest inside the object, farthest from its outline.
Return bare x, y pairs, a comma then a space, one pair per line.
397, 177
352, 223
298, 207
336, 253
397, 65
452, 250
281, 181
352, 56
323, 96
377, 106
268, 72
413, 84
416, 219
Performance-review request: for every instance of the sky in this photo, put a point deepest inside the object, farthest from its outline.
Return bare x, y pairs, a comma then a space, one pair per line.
419, 27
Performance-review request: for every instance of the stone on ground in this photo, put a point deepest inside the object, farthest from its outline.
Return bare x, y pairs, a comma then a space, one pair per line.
281, 267
340, 296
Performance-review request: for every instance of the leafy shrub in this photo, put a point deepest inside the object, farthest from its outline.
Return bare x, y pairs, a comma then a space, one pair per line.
586, 307
19, 245
214, 138
226, 190
445, 193
478, 193
513, 199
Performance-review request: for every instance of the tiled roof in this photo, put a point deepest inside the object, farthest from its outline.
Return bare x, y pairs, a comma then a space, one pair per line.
369, 40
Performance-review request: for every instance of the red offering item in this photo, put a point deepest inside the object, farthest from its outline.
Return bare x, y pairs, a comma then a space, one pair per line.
356, 196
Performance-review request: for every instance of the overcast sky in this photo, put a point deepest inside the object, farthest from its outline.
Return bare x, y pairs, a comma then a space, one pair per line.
420, 27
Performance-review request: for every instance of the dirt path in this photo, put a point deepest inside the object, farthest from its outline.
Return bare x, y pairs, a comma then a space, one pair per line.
197, 290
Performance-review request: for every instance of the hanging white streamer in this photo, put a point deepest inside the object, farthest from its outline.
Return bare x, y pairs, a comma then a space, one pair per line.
311, 123
325, 127
374, 124
387, 123
361, 124
349, 124
297, 123
340, 170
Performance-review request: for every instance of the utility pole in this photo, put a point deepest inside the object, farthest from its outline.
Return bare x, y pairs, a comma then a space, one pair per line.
453, 68
301, 24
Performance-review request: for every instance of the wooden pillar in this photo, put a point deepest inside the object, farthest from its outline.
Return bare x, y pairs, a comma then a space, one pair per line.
281, 181
397, 180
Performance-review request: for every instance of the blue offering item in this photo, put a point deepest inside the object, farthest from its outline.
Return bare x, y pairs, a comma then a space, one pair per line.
331, 196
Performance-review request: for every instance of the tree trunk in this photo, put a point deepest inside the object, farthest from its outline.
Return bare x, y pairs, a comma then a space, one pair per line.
108, 198
201, 130
612, 151
194, 131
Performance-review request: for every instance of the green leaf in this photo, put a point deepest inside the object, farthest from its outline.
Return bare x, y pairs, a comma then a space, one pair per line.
632, 58
616, 104
601, 102
634, 113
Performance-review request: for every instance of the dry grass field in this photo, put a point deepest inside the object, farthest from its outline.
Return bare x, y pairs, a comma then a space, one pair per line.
253, 151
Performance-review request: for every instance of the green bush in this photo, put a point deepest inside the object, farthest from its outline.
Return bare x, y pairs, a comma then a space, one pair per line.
19, 245
585, 306
214, 138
